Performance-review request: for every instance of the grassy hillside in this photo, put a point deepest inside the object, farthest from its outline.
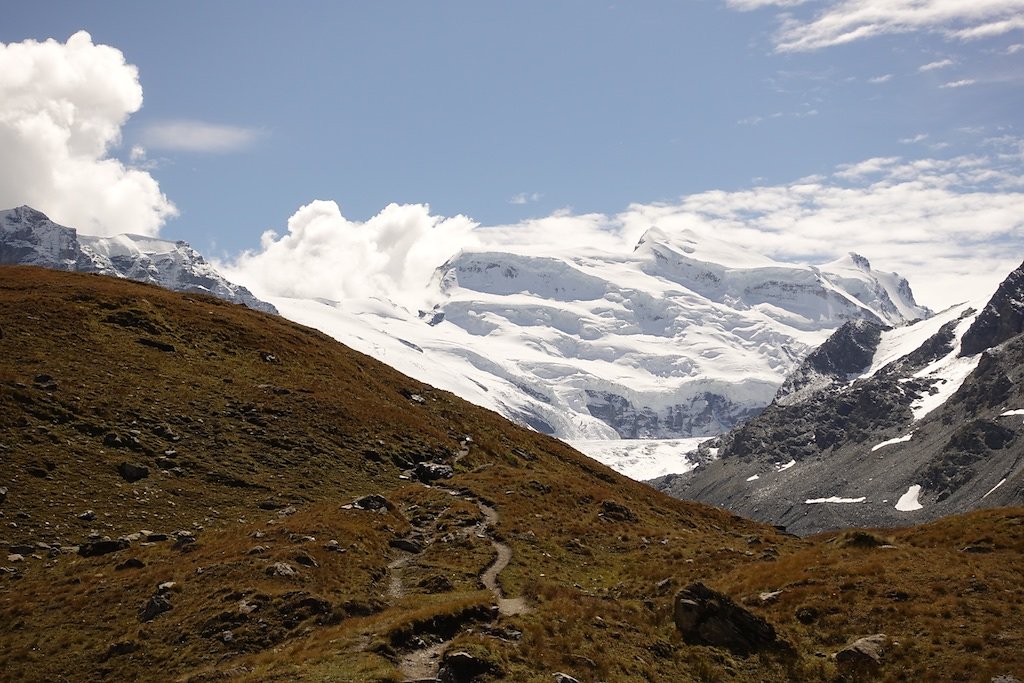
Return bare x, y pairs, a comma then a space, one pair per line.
240, 555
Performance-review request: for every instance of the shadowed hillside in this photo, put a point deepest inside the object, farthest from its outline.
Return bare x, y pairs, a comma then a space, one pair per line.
192, 491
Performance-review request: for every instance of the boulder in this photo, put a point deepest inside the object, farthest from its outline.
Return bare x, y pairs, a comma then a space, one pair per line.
616, 512
862, 657
372, 501
706, 617
462, 667
563, 678
282, 569
406, 544
154, 607
132, 472
102, 547
432, 471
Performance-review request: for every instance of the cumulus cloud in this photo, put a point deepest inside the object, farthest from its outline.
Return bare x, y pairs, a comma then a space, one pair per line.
62, 106
325, 255
198, 136
954, 227
846, 21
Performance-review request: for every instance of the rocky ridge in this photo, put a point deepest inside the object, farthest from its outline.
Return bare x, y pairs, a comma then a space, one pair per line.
28, 237
883, 426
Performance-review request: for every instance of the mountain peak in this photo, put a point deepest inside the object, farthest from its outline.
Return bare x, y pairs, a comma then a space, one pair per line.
29, 237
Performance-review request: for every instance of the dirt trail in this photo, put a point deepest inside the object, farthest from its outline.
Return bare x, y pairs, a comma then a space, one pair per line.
423, 663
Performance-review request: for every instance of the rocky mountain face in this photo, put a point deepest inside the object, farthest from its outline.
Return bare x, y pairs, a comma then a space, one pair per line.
883, 427
195, 491
28, 237
683, 336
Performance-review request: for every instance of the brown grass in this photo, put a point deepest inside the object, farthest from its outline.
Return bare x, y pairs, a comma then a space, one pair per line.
323, 425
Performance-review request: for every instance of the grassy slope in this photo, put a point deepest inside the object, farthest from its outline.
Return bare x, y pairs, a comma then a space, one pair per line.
261, 413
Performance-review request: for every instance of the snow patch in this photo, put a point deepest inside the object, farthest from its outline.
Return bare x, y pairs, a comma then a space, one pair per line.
641, 459
834, 499
908, 501
754, 477
1001, 482
890, 442
787, 465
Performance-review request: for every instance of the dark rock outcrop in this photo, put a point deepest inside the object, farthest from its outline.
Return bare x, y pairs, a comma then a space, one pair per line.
432, 471
707, 617
1001, 319
132, 472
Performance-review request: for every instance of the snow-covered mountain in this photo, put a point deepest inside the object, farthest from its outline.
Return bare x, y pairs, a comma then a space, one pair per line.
883, 426
28, 237
682, 337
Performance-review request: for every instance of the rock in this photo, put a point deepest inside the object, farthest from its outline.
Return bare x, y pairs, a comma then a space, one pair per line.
123, 647
130, 563
976, 548
563, 678
102, 547
87, 516
15, 557
156, 344
806, 614
256, 550
706, 617
462, 667
863, 656
616, 512
432, 471
436, 584
155, 606
156, 538
3, 493
1001, 319
372, 501
281, 569
287, 512
406, 544
132, 472
332, 546
306, 560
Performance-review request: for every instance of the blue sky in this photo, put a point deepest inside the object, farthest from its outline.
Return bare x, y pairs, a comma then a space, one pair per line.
514, 113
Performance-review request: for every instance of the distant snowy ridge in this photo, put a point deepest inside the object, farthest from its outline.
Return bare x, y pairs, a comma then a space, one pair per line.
684, 336
28, 237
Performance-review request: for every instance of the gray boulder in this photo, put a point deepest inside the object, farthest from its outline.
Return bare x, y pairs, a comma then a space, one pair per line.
707, 617
863, 656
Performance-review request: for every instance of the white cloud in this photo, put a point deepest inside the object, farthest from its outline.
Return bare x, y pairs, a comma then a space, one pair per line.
524, 198
846, 21
920, 137
62, 106
1015, 48
327, 255
880, 79
954, 227
932, 66
198, 136
958, 84
747, 5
